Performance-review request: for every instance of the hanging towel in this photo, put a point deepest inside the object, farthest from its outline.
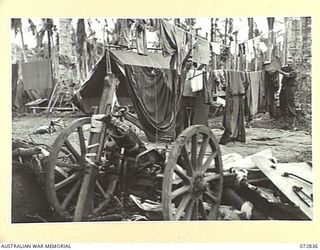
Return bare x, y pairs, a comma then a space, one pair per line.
249, 50
233, 48
254, 85
201, 52
263, 47
197, 81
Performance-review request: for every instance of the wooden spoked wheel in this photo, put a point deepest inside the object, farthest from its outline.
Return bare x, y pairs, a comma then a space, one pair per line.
193, 179
66, 167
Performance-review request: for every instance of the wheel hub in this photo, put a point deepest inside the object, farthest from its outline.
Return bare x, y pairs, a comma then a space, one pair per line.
199, 184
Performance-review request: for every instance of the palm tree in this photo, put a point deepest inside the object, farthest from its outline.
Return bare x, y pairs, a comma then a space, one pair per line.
46, 27
16, 25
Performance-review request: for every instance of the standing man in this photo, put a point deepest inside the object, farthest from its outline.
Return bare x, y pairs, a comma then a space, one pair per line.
287, 92
186, 111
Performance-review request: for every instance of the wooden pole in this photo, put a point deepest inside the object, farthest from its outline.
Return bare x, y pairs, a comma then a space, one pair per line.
84, 205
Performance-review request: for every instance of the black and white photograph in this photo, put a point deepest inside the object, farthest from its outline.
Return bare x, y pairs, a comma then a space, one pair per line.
144, 119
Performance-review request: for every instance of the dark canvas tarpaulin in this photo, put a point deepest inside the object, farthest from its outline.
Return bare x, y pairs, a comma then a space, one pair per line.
37, 76
155, 60
149, 83
152, 92
93, 85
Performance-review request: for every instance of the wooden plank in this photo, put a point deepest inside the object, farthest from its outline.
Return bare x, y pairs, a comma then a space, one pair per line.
285, 184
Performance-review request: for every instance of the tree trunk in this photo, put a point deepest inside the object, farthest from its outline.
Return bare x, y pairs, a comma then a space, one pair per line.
49, 43
23, 46
213, 39
250, 36
271, 39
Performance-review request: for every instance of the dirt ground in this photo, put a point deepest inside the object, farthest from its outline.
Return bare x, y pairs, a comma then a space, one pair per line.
286, 145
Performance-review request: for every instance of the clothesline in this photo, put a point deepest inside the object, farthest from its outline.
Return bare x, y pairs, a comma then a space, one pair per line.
244, 41
224, 45
244, 71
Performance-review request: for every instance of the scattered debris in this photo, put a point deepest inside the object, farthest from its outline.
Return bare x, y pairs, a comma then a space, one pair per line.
249, 193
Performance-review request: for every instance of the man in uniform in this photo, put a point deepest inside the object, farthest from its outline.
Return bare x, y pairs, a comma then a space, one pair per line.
287, 104
186, 112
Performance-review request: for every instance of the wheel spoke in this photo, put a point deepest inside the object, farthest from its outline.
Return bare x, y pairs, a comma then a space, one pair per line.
202, 210
107, 195
203, 149
61, 171
180, 191
189, 210
194, 146
182, 206
100, 188
82, 142
68, 165
66, 181
192, 182
71, 194
186, 160
208, 161
182, 175
72, 150
211, 177
211, 197
195, 211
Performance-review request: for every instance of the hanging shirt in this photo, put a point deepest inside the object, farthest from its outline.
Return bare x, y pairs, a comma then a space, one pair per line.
253, 77
256, 45
235, 82
174, 42
124, 31
214, 85
249, 50
141, 37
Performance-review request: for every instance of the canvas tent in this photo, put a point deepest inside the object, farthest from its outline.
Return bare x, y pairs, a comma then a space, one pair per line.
146, 82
